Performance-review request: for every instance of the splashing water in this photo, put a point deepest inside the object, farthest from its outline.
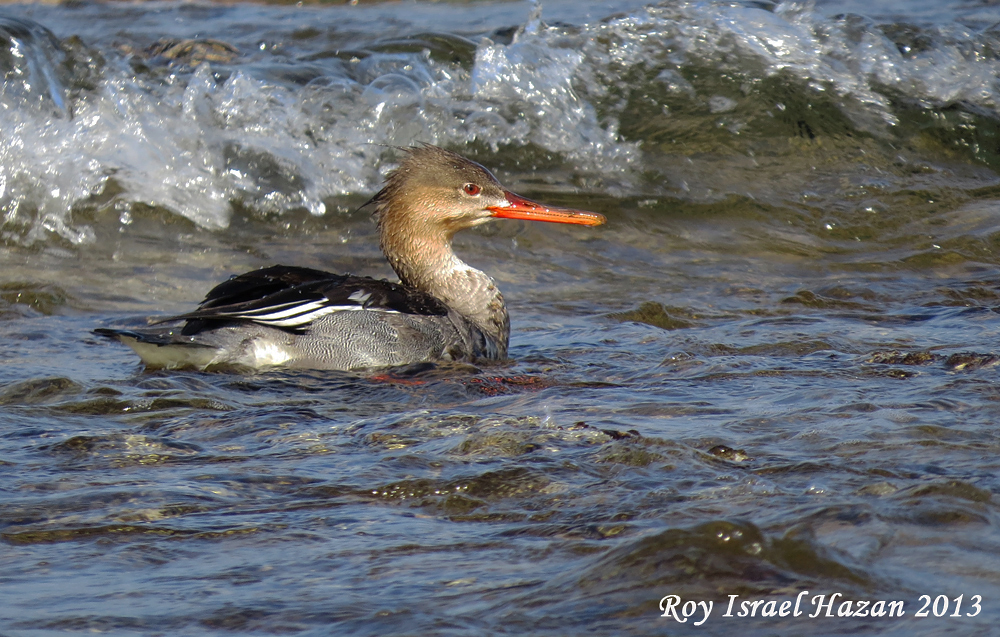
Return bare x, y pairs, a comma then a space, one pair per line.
195, 139
273, 128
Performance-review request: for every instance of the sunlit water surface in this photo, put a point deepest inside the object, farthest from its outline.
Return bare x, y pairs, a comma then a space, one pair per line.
772, 371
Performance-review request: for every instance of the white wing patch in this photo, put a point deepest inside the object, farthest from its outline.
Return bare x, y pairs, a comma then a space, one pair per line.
302, 313
277, 312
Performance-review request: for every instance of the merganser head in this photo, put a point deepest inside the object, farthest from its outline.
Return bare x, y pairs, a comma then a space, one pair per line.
441, 191
433, 194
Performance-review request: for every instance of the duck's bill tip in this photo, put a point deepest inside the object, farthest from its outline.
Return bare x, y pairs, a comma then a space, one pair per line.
520, 208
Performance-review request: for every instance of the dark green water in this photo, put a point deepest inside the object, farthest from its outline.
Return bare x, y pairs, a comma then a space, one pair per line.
773, 371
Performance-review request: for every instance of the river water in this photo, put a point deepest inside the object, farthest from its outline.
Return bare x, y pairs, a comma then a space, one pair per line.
772, 375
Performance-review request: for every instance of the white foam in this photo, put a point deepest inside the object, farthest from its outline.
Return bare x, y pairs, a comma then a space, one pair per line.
192, 142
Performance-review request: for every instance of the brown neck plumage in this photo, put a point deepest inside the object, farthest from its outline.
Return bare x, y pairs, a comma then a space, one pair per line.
417, 245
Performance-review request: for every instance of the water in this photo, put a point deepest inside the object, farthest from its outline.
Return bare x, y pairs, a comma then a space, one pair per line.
773, 371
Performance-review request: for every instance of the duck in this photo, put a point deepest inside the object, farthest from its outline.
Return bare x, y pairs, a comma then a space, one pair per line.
440, 310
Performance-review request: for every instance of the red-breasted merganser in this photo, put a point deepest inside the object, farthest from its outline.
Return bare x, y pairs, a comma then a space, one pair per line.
442, 309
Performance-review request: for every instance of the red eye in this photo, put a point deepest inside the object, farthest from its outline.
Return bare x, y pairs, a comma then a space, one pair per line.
472, 189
